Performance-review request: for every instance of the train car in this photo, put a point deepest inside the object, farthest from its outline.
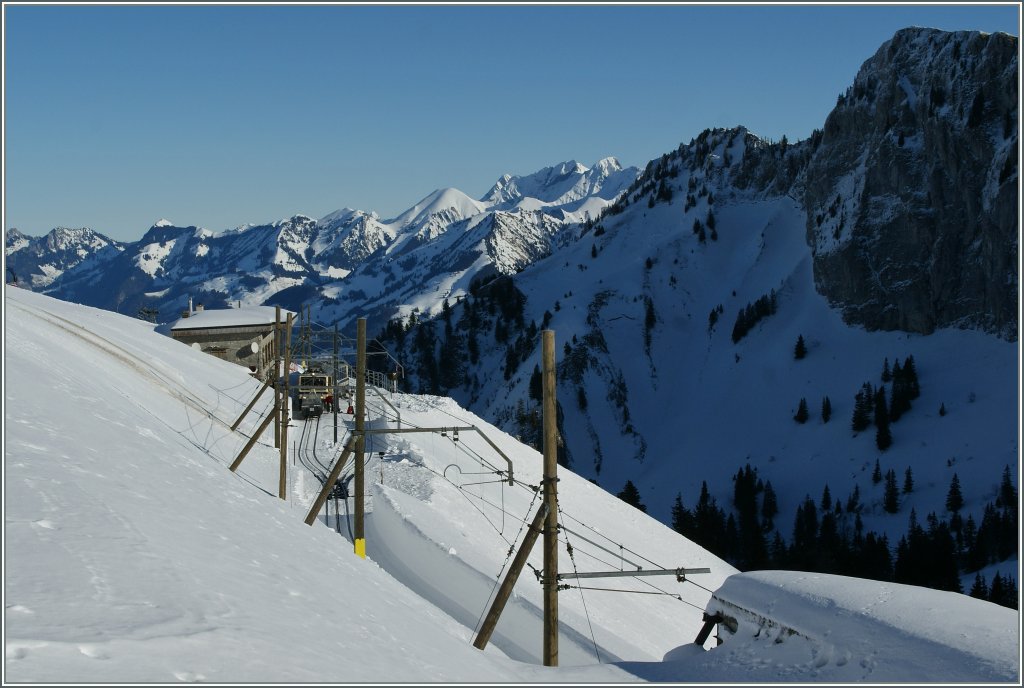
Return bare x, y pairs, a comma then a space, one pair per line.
314, 394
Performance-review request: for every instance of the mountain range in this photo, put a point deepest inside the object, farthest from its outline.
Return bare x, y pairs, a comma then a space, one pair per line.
348, 262
678, 292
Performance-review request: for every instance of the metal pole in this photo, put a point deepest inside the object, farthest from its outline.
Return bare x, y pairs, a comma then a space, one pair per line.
510, 580
679, 573
282, 487
551, 500
360, 536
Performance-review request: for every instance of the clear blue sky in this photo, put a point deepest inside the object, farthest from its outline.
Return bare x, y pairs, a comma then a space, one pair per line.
217, 116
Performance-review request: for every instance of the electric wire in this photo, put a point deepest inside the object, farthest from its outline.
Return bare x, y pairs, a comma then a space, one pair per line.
586, 612
497, 579
534, 489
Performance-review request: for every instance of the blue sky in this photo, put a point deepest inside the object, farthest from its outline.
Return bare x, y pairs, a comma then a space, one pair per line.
217, 116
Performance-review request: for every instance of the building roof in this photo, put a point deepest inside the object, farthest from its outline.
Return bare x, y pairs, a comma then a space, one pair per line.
229, 317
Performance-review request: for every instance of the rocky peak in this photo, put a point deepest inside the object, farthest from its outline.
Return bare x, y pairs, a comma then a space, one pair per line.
912, 193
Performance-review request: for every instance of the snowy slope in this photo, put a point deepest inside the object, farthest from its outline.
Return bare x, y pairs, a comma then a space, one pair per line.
695, 406
134, 555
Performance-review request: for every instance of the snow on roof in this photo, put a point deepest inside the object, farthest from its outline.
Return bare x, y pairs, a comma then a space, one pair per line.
229, 317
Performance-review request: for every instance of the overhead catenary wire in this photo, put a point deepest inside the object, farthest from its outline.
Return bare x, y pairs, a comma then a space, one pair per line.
620, 545
511, 549
586, 612
623, 549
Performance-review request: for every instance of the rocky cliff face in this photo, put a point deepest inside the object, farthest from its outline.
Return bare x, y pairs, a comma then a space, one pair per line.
912, 194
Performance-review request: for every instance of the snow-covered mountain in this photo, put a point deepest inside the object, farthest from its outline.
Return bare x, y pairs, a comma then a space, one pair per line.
654, 381
678, 297
349, 262
570, 185
38, 261
678, 312
134, 555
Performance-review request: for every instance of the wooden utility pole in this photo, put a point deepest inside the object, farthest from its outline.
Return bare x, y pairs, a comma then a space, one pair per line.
234, 426
282, 487
550, 500
249, 445
277, 377
360, 536
334, 390
318, 503
505, 590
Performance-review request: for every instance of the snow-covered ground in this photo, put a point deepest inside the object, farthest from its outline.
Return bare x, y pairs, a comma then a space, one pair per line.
132, 553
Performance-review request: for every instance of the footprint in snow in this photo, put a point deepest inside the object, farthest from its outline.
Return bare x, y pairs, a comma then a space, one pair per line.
188, 676
93, 652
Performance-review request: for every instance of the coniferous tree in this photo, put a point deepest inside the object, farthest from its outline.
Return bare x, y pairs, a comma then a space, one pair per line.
862, 408
853, 501
942, 409
805, 535
769, 506
650, 320
908, 481
943, 574
709, 521
778, 552
1005, 593
996, 592
752, 551
682, 519
883, 436
630, 495
740, 328
801, 412
886, 373
1007, 498
876, 475
826, 409
910, 374
800, 350
536, 384
980, 588
954, 498
826, 499
891, 500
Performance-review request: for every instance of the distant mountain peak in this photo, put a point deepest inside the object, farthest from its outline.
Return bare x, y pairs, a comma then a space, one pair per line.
607, 165
561, 184
447, 198
163, 222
